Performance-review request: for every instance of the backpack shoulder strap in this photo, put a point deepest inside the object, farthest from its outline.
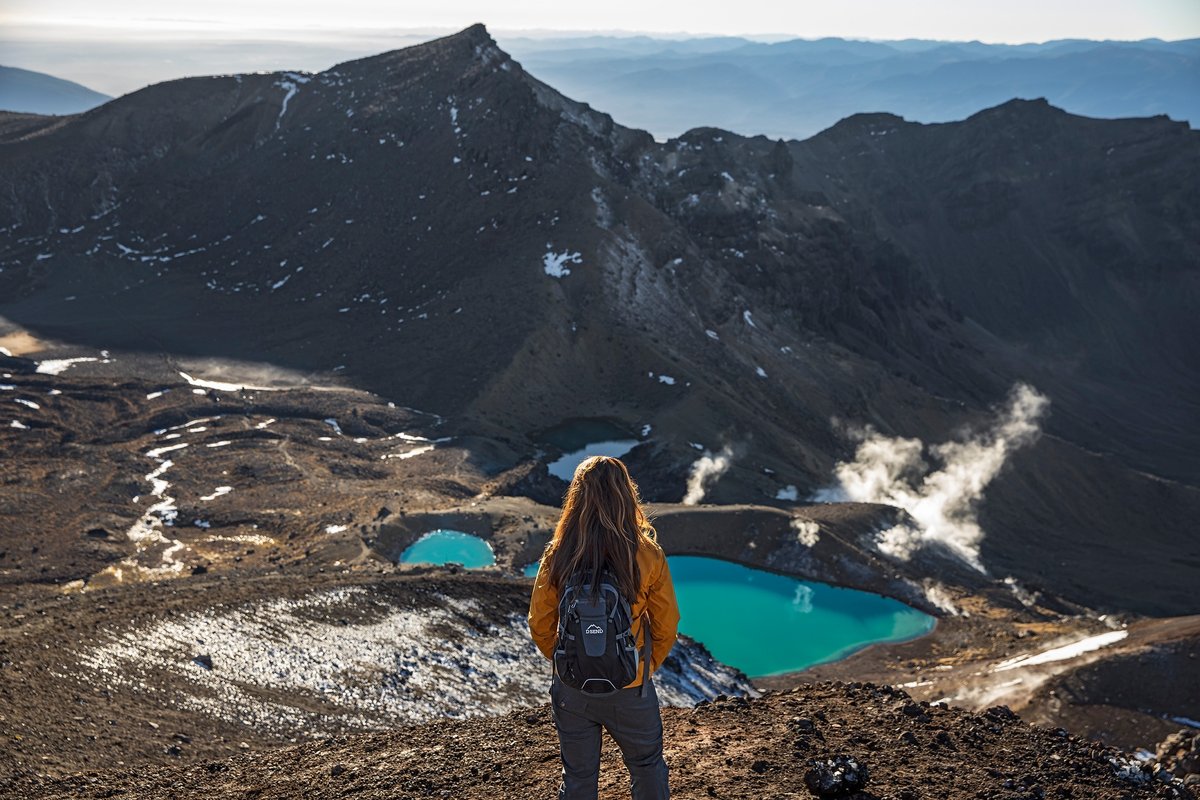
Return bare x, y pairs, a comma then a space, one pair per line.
646, 650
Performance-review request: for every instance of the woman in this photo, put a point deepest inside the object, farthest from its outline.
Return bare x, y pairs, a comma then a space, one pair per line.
603, 525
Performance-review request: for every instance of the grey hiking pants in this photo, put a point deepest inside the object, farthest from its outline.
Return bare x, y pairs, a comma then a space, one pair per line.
633, 722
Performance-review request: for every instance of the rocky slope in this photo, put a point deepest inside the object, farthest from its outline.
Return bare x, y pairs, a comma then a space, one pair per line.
732, 748
220, 564
435, 225
200, 668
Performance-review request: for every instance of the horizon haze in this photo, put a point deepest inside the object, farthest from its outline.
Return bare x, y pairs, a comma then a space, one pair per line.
123, 48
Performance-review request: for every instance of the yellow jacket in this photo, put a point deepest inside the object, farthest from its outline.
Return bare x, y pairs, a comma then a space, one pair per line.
656, 597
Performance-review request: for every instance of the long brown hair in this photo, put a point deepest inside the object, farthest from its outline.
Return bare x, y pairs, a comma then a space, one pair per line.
602, 522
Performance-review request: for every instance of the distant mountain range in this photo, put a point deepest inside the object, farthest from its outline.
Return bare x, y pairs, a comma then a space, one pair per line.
30, 92
787, 89
443, 228
795, 88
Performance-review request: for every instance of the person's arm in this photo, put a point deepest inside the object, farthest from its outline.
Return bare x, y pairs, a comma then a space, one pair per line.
543, 614
664, 616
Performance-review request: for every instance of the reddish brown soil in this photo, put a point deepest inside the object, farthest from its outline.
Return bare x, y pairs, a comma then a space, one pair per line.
727, 749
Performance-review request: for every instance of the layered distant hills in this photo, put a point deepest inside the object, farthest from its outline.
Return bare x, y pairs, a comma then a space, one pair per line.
37, 93
786, 89
440, 227
795, 88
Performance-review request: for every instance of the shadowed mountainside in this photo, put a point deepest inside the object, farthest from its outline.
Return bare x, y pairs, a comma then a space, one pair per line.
439, 227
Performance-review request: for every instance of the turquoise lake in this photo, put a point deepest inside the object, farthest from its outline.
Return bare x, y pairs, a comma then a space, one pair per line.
767, 624
445, 546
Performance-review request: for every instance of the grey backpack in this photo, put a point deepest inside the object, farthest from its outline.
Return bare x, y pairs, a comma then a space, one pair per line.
596, 651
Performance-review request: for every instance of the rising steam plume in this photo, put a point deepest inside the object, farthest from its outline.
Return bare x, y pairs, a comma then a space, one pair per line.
705, 470
942, 502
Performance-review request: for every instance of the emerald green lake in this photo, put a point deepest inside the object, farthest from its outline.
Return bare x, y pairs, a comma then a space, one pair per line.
444, 546
766, 624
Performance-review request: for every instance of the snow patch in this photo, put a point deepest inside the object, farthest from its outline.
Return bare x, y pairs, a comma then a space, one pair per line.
223, 387
290, 83
1072, 650
416, 451
158, 451
57, 366
1191, 723
555, 263
393, 663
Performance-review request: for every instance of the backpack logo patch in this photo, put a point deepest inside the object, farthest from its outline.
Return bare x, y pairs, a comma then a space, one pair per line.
594, 629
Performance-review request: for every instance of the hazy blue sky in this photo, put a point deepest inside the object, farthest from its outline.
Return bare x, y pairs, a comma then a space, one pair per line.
987, 20
116, 46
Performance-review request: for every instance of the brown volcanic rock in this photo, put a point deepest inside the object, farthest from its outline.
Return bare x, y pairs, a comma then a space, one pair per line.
1180, 754
113, 673
732, 748
73, 484
1132, 700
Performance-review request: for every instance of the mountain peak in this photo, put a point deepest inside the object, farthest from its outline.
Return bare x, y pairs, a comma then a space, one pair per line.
470, 43
866, 124
478, 31
472, 36
1019, 107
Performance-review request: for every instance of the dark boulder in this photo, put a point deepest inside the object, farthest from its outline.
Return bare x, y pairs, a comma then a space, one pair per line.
836, 776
